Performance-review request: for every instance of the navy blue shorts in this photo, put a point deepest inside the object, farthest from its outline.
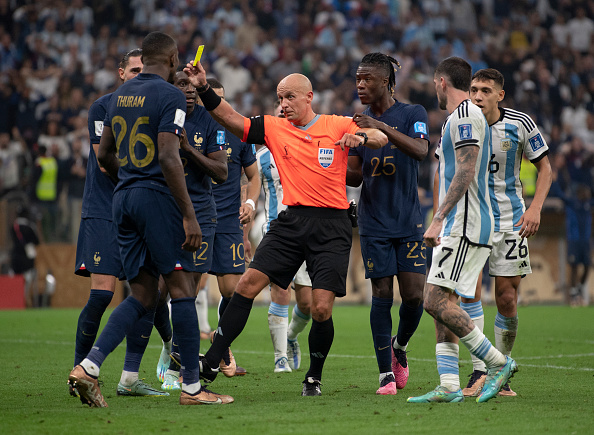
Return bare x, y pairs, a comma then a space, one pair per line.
202, 258
319, 236
228, 255
150, 232
578, 252
97, 249
388, 257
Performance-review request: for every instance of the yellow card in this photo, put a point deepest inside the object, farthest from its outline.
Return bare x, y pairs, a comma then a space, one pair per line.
198, 55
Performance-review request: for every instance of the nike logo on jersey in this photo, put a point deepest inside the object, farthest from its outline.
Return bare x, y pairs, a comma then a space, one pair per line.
237, 265
418, 264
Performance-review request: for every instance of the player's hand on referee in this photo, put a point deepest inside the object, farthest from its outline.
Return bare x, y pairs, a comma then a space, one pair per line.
193, 235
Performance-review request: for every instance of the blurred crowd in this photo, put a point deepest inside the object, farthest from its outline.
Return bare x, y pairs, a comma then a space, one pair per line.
58, 56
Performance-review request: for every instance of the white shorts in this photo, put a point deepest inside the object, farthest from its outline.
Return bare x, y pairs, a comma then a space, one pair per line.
302, 277
456, 265
510, 256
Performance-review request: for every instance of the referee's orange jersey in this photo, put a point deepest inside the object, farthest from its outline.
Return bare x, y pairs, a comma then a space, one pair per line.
312, 169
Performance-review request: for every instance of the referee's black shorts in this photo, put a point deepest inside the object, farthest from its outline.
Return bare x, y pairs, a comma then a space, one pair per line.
319, 236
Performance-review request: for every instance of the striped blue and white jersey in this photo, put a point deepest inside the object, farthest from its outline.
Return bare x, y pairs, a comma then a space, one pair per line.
273, 190
514, 133
471, 217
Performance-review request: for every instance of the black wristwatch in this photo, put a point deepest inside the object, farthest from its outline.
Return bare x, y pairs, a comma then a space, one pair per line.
363, 135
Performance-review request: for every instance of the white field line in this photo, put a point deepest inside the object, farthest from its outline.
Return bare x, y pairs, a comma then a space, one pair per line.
410, 358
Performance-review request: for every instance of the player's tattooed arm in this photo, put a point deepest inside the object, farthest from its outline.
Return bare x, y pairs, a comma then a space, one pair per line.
465, 159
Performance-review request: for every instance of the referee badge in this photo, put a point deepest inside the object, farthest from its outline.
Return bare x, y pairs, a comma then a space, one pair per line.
325, 156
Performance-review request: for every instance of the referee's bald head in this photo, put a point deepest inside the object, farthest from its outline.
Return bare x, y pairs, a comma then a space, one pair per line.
298, 82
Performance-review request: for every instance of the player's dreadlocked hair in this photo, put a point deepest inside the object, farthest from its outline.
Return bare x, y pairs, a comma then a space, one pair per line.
385, 62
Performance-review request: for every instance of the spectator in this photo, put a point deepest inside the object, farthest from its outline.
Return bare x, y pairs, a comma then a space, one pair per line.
23, 254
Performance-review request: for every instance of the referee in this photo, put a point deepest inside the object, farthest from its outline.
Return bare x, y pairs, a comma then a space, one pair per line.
311, 152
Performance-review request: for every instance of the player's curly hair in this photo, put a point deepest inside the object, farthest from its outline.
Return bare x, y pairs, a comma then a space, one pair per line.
386, 63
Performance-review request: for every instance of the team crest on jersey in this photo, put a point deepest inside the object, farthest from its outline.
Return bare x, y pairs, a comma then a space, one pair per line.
97, 258
536, 142
369, 265
325, 156
228, 154
198, 140
465, 131
506, 144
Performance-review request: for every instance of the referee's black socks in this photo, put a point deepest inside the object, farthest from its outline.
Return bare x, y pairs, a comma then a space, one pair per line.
320, 341
230, 326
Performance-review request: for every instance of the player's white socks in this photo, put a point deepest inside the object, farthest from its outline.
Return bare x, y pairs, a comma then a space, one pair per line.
90, 367
398, 346
382, 376
298, 323
475, 311
447, 365
278, 323
202, 309
128, 378
506, 329
479, 345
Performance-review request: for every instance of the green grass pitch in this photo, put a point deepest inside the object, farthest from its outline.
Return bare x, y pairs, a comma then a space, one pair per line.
555, 383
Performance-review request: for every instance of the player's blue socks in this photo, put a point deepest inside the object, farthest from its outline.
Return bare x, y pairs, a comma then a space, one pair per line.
448, 365
120, 322
223, 304
137, 339
381, 330
89, 321
321, 336
410, 316
162, 323
230, 326
187, 335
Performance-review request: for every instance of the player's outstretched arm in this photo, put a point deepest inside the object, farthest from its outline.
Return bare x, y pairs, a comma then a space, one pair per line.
106, 154
530, 220
173, 171
223, 113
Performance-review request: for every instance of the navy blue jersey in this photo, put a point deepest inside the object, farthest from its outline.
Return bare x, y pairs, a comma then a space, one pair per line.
389, 203
228, 194
138, 111
98, 193
207, 136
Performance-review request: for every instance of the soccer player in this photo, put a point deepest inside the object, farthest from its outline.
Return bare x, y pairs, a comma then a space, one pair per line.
98, 255
204, 158
311, 153
390, 220
460, 234
228, 262
157, 226
513, 133
287, 352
